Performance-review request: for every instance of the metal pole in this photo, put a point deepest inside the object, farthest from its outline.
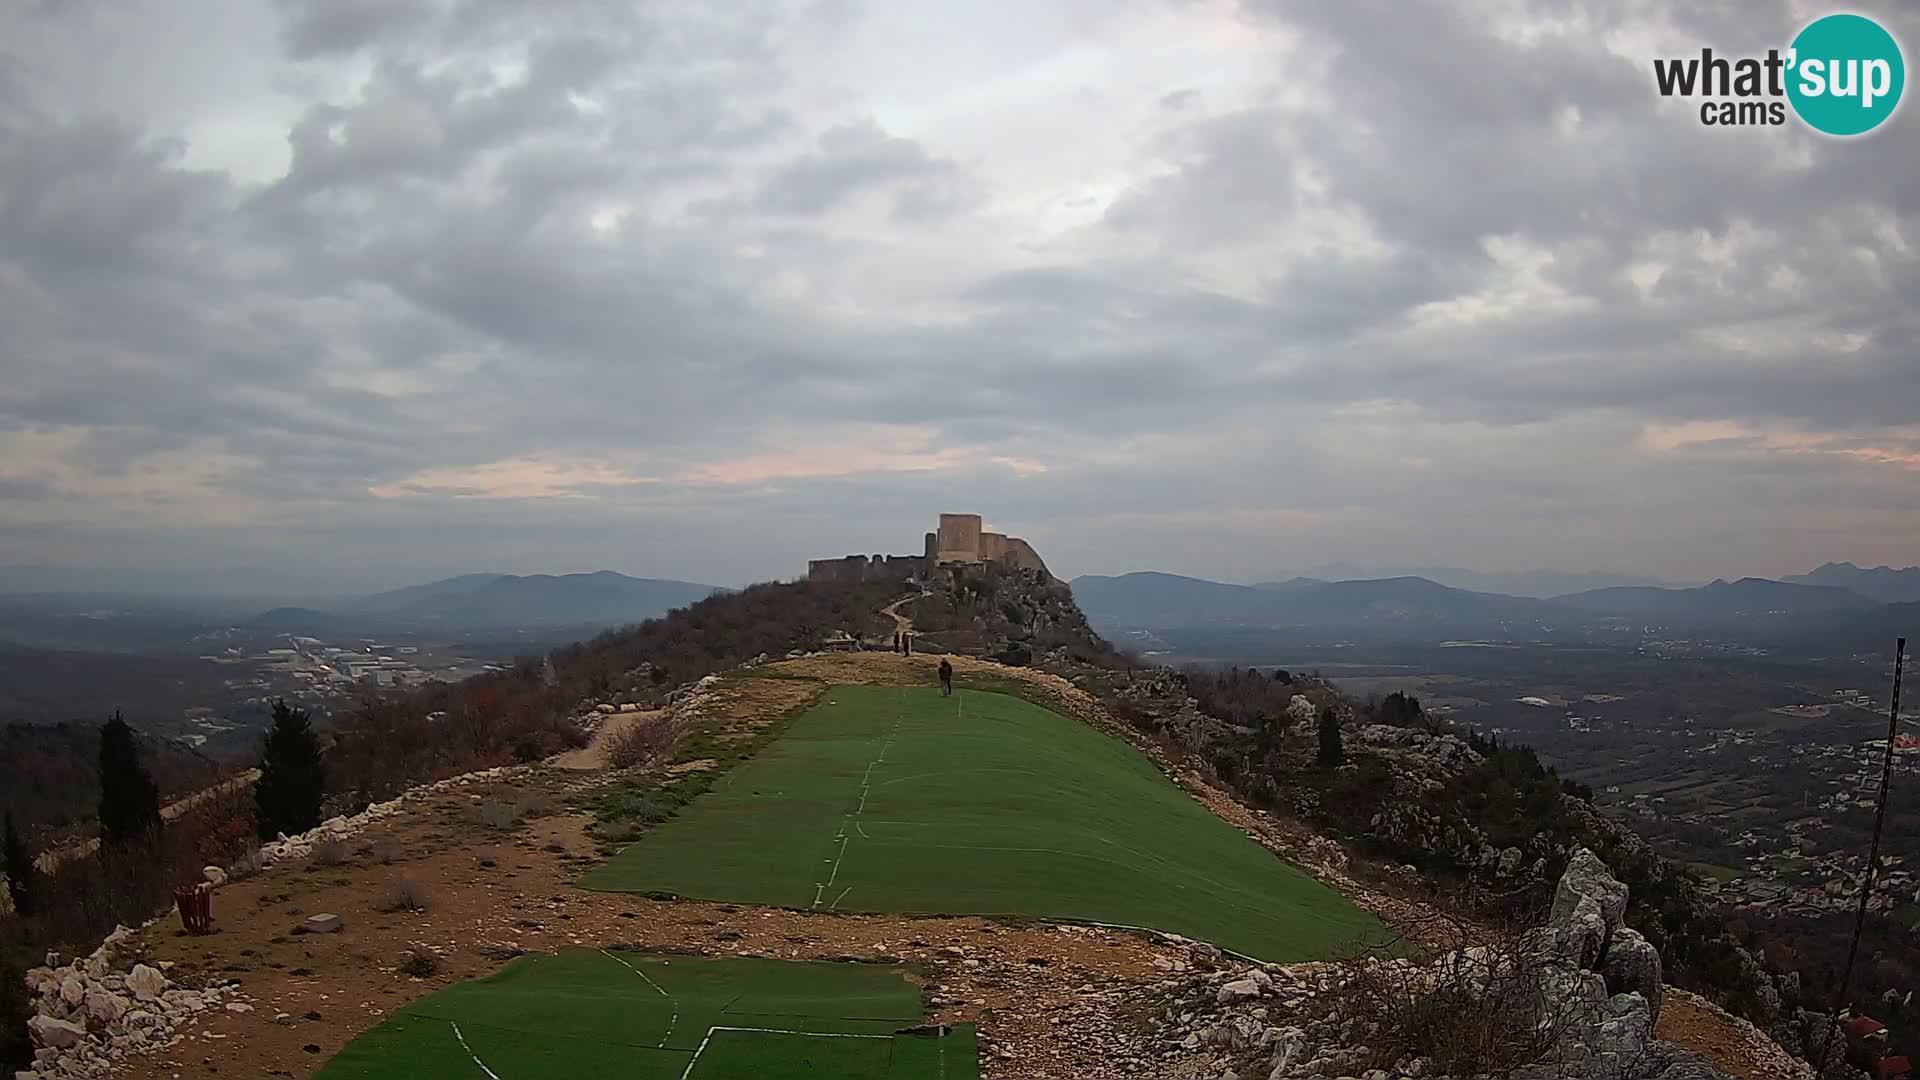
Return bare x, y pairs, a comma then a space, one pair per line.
1873, 856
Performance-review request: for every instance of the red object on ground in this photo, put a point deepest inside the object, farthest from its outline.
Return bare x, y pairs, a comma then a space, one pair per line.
1893, 1068
1865, 1027
196, 907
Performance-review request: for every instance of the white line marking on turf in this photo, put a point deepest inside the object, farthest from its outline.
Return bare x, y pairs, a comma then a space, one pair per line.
866, 785
837, 899
663, 993
688, 1071
836, 865
470, 1053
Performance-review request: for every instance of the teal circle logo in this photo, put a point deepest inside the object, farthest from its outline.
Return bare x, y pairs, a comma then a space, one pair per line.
1846, 74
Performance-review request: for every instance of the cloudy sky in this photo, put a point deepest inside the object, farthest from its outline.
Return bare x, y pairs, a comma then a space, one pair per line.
343, 293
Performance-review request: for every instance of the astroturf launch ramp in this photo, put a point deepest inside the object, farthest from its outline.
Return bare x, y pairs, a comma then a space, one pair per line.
652, 1017
885, 799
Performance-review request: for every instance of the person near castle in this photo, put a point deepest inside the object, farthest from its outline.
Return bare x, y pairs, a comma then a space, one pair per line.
946, 679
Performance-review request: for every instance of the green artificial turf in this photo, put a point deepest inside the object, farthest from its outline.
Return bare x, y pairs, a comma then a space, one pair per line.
884, 799
651, 1017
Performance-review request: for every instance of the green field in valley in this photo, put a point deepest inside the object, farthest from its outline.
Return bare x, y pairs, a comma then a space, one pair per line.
888, 799
652, 1017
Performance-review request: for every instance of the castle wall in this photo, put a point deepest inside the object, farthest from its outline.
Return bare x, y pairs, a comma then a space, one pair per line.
858, 568
1020, 553
959, 538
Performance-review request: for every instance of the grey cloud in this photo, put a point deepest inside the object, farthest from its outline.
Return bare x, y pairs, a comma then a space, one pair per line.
317, 28
648, 245
849, 159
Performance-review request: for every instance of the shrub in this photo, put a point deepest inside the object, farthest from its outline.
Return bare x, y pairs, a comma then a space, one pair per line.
16, 1006
532, 804
328, 852
406, 894
246, 866
19, 869
643, 743
1483, 1011
421, 963
496, 814
1331, 754
293, 779
129, 799
215, 831
1015, 654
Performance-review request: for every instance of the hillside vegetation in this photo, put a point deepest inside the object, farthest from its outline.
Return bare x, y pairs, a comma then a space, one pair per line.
1437, 815
1489, 825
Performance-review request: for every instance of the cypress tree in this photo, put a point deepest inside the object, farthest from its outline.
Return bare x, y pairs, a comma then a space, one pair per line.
1332, 753
20, 871
129, 799
293, 778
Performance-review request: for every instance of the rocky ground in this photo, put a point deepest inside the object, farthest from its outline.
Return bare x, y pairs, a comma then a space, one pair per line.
444, 886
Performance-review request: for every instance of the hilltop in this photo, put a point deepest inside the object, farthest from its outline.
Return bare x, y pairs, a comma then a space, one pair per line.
1434, 833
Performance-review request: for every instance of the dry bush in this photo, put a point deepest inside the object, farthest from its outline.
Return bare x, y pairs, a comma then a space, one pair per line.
406, 894
496, 814
644, 743
83, 897
532, 804
1483, 1011
328, 852
246, 866
421, 963
384, 850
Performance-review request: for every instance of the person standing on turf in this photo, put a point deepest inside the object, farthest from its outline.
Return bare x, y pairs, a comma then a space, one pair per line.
946, 679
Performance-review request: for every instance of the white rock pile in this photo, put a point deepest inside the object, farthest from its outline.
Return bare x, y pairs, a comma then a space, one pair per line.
90, 1014
339, 828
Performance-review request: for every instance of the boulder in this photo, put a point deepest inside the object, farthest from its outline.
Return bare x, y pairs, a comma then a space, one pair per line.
1632, 966
72, 990
145, 982
1582, 933
1237, 991
215, 876
323, 923
1587, 877
56, 1034
104, 1007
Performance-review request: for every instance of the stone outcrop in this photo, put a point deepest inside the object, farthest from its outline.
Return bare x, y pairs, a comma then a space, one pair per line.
1585, 979
92, 1013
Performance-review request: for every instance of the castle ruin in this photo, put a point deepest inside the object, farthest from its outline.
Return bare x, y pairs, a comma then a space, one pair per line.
959, 540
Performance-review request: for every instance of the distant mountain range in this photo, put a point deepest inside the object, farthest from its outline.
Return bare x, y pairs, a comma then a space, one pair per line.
1416, 608
1721, 599
561, 606
1540, 584
1882, 583
503, 601
1167, 601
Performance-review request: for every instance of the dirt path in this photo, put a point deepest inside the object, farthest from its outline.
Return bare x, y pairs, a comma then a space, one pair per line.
901, 623
594, 754
1733, 1045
